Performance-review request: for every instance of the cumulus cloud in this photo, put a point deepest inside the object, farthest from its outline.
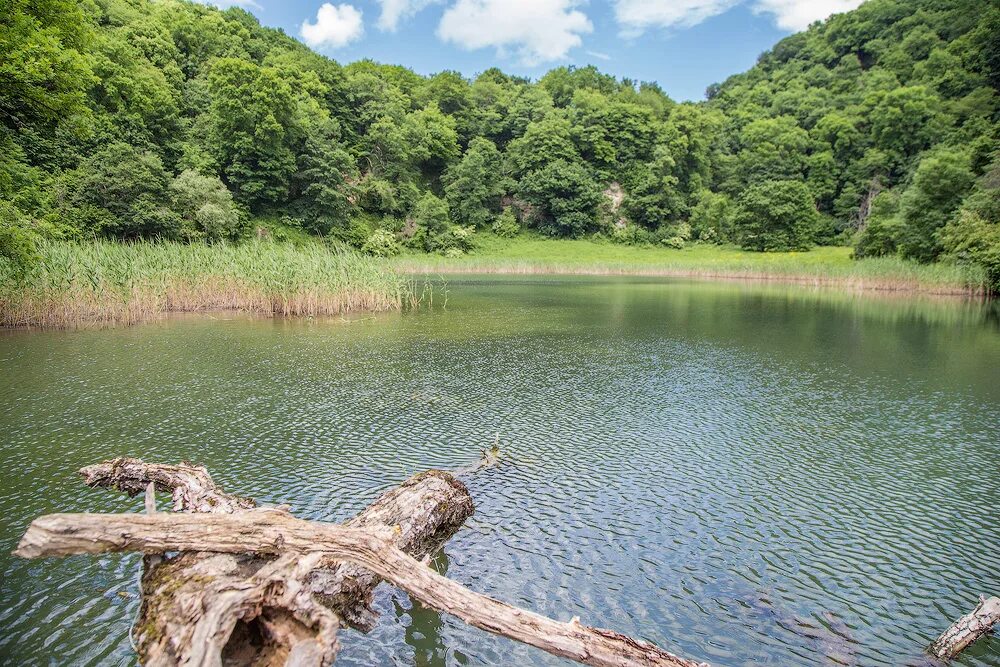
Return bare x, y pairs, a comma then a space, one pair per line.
536, 30
635, 16
393, 11
335, 26
798, 14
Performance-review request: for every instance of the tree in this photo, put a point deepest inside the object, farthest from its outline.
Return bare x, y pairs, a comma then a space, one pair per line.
654, 198
772, 149
121, 192
252, 118
973, 236
905, 122
431, 218
776, 216
940, 183
712, 217
322, 183
565, 197
18, 252
206, 207
881, 233
44, 70
475, 185
432, 139
543, 142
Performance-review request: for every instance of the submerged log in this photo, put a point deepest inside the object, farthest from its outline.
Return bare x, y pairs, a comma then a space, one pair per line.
250, 608
314, 543
967, 629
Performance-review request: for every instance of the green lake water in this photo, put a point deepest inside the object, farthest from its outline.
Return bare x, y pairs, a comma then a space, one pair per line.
749, 475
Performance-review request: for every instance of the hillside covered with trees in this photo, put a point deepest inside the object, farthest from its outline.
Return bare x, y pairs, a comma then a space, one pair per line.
135, 119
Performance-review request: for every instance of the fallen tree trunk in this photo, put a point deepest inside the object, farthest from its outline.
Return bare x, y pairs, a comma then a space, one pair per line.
251, 608
276, 532
967, 629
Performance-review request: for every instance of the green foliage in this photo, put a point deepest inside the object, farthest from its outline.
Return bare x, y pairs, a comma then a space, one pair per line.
18, 250
506, 225
973, 236
713, 217
135, 118
322, 182
544, 142
251, 117
122, 192
206, 207
565, 198
43, 68
776, 216
939, 185
475, 185
883, 230
433, 224
382, 243
654, 198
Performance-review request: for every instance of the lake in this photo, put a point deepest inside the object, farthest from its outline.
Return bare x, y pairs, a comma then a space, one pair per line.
744, 474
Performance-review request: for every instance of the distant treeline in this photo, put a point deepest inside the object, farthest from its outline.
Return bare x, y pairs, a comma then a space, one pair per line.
139, 119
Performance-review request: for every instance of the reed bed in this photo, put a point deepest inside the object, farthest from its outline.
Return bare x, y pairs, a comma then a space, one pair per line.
830, 266
104, 283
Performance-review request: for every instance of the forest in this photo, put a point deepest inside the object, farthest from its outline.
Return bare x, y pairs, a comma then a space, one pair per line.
132, 119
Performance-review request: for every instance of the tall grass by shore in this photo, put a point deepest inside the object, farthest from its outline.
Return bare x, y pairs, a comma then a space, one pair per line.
102, 282
529, 254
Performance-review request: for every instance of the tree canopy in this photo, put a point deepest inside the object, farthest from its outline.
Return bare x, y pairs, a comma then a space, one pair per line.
135, 118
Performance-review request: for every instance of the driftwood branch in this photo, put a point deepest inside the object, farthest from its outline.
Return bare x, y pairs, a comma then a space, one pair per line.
274, 532
190, 486
967, 629
198, 605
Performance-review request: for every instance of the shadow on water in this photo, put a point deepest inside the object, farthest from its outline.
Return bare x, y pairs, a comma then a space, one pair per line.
423, 628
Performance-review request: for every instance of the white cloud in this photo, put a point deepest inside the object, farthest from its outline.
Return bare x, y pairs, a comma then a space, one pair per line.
225, 4
635, 16
393, 11
537, 30
599, 55
799, 14
335, 26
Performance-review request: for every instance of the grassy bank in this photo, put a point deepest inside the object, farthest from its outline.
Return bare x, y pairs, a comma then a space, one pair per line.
102, 282
825, 265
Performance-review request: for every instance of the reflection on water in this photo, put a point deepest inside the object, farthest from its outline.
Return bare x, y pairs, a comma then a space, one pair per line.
744, 474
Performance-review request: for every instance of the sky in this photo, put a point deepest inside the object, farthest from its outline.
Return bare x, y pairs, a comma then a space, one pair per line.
683, 45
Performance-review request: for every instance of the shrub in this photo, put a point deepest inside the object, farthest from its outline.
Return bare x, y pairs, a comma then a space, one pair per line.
566, 198
776, 216
880, 235
206, 207
506, 225
939, 185
712, 217
382, 243
124, 194
430, 216
18, 249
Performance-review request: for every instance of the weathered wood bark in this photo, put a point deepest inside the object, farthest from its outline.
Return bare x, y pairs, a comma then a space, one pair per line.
253, 609
967, 629
190, 486
272, 532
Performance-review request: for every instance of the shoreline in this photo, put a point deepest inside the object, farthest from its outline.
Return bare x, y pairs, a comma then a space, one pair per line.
901, 286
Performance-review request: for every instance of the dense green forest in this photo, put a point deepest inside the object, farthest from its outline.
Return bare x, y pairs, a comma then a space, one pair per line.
136, 119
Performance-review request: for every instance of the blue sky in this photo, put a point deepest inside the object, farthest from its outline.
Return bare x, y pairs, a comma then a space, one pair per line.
684, 45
